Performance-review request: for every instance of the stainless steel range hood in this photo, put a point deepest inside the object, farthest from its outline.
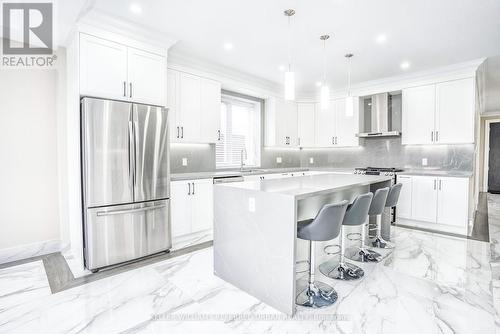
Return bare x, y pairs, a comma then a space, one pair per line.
378, 117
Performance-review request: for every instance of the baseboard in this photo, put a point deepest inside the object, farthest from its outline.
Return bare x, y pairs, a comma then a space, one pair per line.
30, 250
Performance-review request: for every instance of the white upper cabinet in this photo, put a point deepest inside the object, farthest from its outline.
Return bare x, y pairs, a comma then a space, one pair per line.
306, 116
419, 107
455, 101
335, 126
210, 111
195, 104
146, 77
116, 71
347, 122
441, 113
281, 127
325, 126
189, 108
103, 68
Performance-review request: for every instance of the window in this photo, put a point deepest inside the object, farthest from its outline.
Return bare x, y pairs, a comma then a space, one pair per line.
240, 132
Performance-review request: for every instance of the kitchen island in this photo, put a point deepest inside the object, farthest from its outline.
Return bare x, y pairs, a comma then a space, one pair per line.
255, 229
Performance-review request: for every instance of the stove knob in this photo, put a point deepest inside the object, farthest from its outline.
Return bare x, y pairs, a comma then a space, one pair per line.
364, 172
356, 172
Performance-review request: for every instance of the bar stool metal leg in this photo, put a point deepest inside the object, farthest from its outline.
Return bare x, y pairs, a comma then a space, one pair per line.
363, 254
378, 241
341, 270
317, 294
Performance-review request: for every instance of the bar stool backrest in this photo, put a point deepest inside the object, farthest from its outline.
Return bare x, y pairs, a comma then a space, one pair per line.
326, 225
379, 200
393, 197
358, 211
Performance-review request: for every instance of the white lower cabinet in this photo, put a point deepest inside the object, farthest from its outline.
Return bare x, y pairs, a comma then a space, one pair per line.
191, 206
404, 203
440, 203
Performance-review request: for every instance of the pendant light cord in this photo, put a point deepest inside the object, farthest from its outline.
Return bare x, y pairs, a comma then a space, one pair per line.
289, 44
324, 62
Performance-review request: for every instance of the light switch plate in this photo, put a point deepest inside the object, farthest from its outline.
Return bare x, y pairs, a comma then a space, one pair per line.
424, 161
311, 160
278, 160
251, 204
184, 162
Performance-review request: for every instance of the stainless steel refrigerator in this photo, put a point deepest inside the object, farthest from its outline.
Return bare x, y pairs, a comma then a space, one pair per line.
125, 181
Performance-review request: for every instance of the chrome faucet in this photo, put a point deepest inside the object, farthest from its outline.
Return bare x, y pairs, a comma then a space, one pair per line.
243, 157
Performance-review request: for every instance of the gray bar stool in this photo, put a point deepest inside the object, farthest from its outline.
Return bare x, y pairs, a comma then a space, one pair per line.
326, 226
391, 201
363, 254
356, 212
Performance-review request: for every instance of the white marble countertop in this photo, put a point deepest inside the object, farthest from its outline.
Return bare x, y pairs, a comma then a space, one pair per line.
227, 173
431, 172
308, 186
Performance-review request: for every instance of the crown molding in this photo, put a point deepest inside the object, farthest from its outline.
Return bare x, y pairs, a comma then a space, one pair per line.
230, 78
104, 21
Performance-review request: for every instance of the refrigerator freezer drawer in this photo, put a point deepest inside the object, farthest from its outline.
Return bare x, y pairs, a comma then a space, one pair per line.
121, 233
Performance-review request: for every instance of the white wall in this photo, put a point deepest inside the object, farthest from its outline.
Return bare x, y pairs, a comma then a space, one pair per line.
29, 210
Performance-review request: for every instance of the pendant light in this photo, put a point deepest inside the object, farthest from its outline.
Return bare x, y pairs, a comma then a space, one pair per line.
349, 102
325, 90
289, 75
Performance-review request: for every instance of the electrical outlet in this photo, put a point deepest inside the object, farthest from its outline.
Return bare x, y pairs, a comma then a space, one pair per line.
311, 160
278, 160
424, 161
184, 162
251, 204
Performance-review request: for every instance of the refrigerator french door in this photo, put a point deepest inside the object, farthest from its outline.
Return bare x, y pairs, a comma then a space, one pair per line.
125, 164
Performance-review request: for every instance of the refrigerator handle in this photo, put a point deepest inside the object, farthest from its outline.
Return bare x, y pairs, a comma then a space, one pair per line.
131, 146
121, 212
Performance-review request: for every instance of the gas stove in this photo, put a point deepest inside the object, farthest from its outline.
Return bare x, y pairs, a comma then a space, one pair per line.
377, 171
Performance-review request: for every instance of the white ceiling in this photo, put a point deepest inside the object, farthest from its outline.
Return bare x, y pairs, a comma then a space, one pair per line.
426, 33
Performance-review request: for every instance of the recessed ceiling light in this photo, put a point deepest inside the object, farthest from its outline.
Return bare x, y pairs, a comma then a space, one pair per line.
228, 46
281, 68
405, 65
381, 39
318, 83
135, 8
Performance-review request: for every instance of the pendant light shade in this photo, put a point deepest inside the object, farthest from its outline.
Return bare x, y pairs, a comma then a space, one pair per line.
289, 74
349, 102
325, 90
325, 97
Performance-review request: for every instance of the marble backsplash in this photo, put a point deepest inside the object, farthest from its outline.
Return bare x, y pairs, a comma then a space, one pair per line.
388, 152
375, 152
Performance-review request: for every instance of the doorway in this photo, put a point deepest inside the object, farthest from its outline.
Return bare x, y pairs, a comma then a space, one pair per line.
494, 159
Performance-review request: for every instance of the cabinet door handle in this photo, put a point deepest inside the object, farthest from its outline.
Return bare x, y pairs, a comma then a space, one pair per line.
189, 188
130, 90
432, 136
434, 184
177, 132
439, 184
298, 141
124, 89
193, 189
218, 135
182, 132
336, 140
437, 136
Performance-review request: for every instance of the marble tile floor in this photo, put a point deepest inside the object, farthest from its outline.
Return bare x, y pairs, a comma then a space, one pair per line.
429, 284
